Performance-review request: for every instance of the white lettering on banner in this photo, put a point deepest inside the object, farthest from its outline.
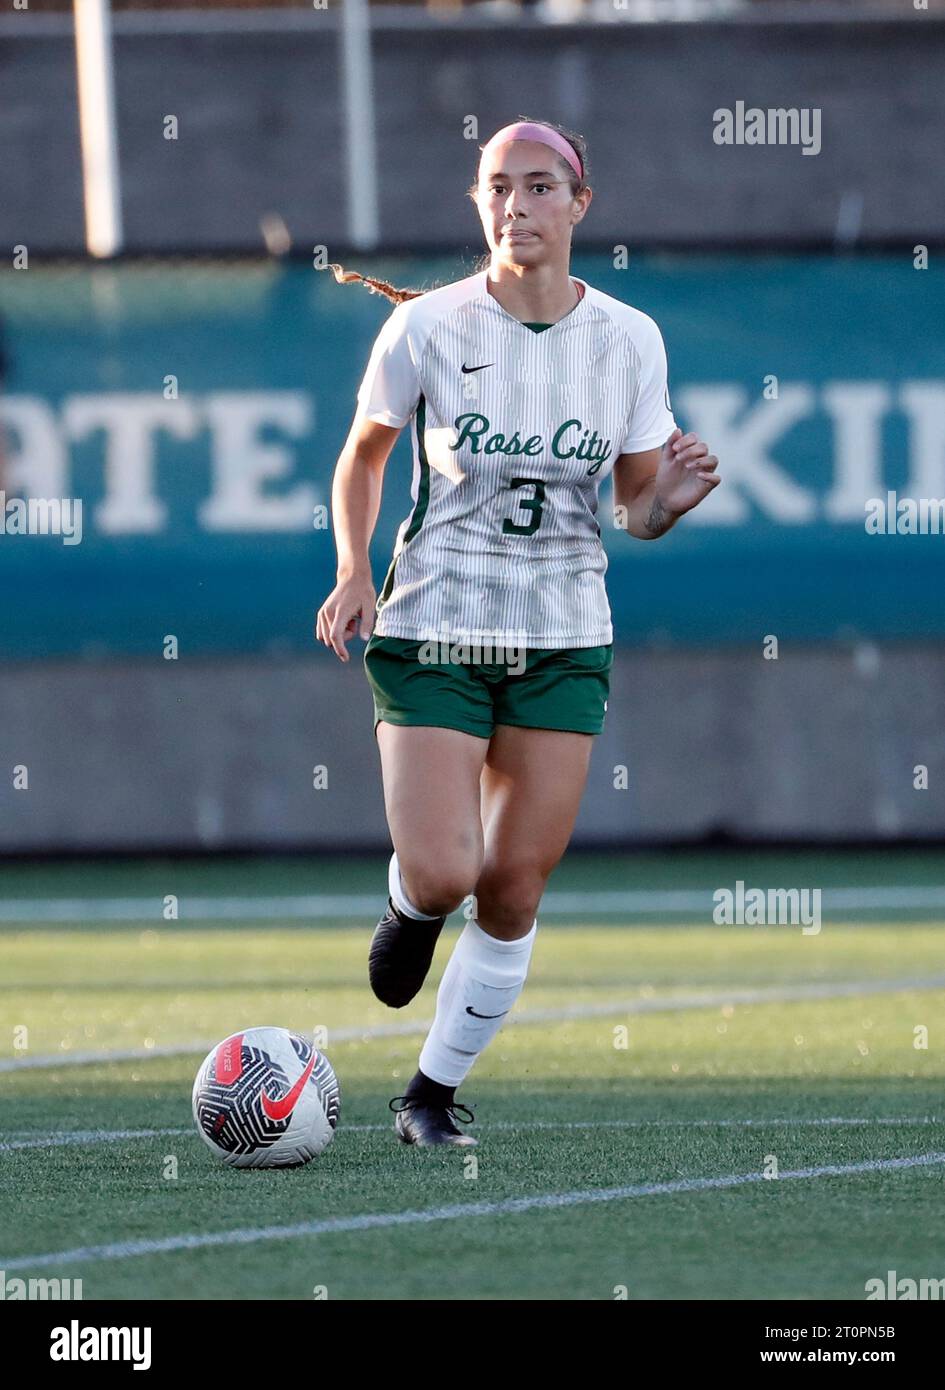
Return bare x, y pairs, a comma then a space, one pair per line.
856, 409
242, 462
130, 421
743, 450
253, 445
924, 405
37, 456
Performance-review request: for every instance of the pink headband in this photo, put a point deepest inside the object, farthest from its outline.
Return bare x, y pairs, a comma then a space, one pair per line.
528, 130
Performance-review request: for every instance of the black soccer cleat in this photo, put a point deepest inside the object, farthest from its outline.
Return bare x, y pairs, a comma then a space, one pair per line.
426, 1122
401, 955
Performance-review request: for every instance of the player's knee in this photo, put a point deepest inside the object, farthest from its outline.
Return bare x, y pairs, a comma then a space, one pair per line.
510, 896
437, 889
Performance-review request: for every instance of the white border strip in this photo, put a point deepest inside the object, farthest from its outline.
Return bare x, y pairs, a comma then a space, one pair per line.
510, 1206
68, 1137
776, 994
64, 1138
368, 907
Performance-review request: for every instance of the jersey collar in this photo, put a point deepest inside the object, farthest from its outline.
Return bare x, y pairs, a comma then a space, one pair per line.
570, 316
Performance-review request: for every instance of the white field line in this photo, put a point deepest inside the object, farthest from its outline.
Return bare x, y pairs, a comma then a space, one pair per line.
67, 1137
679, 1003
510, 1206
27, 1140
368, 907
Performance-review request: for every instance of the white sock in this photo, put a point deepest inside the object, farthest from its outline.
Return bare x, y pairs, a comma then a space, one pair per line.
485, 975
398, 894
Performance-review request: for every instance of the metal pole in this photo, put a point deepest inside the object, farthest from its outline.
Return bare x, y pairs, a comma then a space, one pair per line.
104, 235
359, 124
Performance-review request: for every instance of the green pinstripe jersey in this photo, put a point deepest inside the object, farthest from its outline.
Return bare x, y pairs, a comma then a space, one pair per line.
512, 433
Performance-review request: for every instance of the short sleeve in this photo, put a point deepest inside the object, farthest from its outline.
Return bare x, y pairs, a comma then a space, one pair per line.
390, 389
651, 421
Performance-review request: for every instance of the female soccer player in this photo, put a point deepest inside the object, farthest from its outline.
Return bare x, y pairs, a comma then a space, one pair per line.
491, 649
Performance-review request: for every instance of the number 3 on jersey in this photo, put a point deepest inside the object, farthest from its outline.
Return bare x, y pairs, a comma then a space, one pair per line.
531, 504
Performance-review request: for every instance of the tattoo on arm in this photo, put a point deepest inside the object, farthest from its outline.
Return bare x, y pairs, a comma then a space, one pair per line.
657, 520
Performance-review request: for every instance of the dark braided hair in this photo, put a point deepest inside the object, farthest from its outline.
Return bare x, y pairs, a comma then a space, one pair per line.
398, 296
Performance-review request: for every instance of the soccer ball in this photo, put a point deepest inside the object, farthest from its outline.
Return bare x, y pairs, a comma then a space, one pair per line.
266, 1098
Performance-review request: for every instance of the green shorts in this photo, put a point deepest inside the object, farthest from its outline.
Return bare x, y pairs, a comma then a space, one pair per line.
565, 689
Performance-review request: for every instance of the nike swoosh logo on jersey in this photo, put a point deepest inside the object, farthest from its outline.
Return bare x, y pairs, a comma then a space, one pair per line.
281, 1109
471, 1010
478, 369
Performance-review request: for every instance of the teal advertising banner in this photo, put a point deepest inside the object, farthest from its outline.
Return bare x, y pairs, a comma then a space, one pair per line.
175, 426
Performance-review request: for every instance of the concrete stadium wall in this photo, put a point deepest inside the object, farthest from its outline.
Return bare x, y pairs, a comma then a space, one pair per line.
260, 127
819, 744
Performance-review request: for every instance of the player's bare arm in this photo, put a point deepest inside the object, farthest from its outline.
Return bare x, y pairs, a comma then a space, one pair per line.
355, 501
653, 489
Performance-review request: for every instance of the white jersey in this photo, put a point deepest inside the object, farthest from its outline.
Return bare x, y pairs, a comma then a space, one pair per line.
513, 431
